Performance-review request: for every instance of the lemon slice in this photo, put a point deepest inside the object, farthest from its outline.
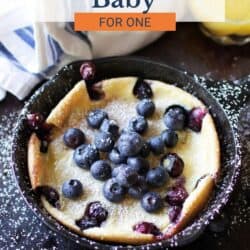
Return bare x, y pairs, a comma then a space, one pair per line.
237, 17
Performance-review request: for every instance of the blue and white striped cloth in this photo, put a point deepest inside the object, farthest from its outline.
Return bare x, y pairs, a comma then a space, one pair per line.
18, 55
33, 53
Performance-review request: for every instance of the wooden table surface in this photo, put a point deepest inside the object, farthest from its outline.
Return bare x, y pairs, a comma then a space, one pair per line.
188, 50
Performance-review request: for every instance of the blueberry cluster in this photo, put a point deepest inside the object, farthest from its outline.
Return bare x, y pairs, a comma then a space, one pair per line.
127, 170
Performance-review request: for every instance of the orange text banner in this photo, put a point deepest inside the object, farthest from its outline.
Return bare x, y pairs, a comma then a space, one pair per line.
125, 21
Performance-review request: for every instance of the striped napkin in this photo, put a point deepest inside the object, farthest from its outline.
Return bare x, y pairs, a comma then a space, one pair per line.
32, 53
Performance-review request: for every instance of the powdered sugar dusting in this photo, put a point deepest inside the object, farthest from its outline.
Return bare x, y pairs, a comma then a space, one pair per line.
234, 98
20, 229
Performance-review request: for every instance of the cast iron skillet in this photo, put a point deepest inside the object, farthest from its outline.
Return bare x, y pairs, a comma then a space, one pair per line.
55, 89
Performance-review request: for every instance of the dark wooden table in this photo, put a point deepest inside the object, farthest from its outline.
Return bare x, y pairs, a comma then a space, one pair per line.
188, 50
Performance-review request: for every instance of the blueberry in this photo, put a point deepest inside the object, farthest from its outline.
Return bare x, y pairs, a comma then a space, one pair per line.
127, 176
88, 71
147, 228
142, 89
96, 211
145, 108
174, 213
170, 138
173, 164
101, 170
151, 202
73, 138
157, 177
145, 150
113, 191
138, 124
96, 117
140, 165
50, 194
176, 196
139, 188
44, 132
86, 223
35, 121
116, 157
95, 90
129, 144
156, 145
104, 141
72, 189
117, 169
175, 118
195, 119
94, 215
86, 155
111, 127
